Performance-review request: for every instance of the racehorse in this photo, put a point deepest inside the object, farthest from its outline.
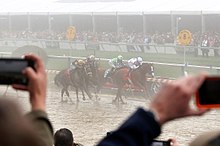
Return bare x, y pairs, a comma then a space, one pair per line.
137, 78
68, 77
63, 79
95, 78
79, 78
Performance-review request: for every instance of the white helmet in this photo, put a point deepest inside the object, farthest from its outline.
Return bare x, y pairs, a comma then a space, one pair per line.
91, 57
139, 59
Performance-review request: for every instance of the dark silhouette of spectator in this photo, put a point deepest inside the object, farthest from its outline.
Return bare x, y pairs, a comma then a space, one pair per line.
205, 44
64, 137
34, 129
15, 130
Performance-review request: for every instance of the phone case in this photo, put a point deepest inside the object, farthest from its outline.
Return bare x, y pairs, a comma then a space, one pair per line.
212, 85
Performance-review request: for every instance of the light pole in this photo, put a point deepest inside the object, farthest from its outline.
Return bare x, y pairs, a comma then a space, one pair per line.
50, 19
177, 25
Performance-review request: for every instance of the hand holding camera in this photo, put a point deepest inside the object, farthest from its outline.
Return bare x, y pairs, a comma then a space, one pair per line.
37, 82
183, 88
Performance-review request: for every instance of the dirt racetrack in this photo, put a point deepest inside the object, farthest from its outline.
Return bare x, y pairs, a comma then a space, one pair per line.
90, 120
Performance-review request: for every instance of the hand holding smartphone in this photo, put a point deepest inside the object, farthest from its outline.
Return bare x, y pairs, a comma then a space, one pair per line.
11, 70
208, 95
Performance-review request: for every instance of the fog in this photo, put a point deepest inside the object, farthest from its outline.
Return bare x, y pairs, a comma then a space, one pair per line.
178, 37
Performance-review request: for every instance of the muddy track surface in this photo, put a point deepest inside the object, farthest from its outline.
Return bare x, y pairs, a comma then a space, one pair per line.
90, 120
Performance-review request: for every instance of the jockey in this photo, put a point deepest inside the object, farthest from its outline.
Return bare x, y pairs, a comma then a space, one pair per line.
78, 63
115, 63
91, 65
134, 63
90, 60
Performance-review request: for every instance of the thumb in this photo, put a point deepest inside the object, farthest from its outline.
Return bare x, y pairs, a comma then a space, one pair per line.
199, 112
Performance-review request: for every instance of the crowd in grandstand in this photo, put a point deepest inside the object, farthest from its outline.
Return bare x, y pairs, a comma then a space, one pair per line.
113, 37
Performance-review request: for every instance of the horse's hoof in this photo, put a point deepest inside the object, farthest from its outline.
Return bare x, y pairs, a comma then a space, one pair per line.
90, 97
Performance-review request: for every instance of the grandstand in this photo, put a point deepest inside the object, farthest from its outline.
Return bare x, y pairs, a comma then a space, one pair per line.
110, 6
110, 15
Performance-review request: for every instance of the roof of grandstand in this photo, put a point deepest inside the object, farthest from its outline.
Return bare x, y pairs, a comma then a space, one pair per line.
110, 6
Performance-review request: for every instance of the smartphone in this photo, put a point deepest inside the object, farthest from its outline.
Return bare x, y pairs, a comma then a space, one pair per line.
208, 95
11, 70
160, 143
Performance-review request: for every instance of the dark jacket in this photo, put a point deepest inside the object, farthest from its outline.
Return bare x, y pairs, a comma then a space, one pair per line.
139, 130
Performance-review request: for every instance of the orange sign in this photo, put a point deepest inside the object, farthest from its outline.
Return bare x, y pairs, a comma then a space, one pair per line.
185, 37
71, 33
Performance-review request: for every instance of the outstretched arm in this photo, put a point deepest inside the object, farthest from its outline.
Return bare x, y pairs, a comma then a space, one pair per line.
138, 130
37, 87
172, 101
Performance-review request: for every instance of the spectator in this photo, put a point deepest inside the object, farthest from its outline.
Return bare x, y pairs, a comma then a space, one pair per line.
15, 129
64, 137
171, 102
205, 44
36, 87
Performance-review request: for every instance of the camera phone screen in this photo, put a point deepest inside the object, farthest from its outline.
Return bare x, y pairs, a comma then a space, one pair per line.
12, 66
210, 92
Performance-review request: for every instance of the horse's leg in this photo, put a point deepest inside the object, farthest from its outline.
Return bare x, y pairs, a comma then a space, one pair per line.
83, 94
62, 92
96, 93
144, 87
67, 93
120, 96
87, 91
122, 101
147, 94
77, 94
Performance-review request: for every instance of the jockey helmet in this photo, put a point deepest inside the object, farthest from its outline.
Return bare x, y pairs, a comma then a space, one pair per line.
120, 57
80, 62
91, 57
140, 60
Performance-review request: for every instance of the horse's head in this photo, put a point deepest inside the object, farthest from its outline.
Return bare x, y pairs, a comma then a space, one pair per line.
148, 68
91, 69
88, 70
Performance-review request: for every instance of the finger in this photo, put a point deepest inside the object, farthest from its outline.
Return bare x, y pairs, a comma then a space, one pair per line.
29, 73
191, 83
196, 82
19, 87
38, 63
199, 112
